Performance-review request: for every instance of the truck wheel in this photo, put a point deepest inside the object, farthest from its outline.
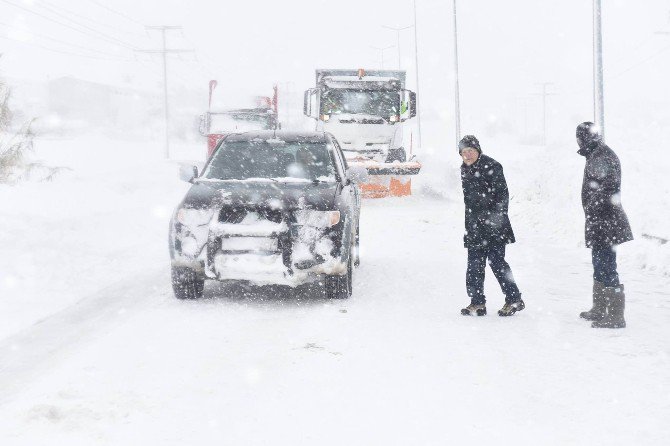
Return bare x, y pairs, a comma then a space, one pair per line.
396, 155
339, 287
187, 284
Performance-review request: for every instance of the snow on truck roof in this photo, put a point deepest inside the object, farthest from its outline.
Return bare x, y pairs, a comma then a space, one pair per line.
362, 79
365, 83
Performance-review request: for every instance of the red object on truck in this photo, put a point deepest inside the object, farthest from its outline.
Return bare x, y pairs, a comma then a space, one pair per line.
215, 125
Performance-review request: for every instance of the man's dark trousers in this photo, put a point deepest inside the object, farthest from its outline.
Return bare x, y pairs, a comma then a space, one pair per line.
474, 278
604, 266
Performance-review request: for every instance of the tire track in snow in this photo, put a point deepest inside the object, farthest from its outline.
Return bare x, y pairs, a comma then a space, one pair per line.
30, 353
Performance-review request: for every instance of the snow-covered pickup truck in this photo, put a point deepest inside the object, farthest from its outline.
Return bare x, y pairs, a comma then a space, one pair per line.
269, 208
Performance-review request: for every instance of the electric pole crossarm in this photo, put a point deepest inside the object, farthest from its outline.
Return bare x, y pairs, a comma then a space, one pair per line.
398, 30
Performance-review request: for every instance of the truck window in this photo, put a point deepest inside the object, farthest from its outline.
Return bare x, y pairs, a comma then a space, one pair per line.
376, 103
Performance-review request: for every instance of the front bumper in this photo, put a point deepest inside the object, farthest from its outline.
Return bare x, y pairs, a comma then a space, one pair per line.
271, 253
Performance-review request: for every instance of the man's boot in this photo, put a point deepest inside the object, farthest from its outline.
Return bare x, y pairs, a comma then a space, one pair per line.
474, 310
598, 311
615, 300
511, 307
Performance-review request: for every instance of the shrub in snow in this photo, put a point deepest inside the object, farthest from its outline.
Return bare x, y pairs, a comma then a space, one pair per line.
15, 146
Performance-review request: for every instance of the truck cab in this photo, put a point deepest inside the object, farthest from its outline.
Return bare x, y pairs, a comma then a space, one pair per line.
365, 111
262, 115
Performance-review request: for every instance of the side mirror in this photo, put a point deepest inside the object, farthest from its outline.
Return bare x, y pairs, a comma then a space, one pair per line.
202, 128
305, 105
311, 103
188, 173
407, 105
357, 174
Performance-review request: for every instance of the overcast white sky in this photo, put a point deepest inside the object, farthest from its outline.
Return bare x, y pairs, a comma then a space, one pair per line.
506, 47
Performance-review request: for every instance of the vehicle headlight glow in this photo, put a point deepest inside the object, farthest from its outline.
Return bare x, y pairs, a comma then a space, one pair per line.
318, 219
194, 217
325, 118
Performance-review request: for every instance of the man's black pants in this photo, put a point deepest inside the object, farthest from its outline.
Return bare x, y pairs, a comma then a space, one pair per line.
474, 278
604, 266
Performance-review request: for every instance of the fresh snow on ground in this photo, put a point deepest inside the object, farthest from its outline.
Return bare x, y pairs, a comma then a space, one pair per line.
96, 350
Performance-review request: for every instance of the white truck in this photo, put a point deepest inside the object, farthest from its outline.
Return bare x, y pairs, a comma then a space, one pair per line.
366, 112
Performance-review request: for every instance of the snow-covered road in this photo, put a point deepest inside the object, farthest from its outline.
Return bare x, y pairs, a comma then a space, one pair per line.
127, 363
395, 364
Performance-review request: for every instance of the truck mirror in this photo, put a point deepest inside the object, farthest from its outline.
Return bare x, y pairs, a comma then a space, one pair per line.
407, 105
412, 104
202, 127
311, 105
305, 105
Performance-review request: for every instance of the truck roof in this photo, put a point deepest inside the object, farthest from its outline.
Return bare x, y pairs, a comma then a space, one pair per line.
351, 75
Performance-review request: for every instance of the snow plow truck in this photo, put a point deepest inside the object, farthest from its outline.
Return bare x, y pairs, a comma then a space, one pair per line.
216, 124
366, 112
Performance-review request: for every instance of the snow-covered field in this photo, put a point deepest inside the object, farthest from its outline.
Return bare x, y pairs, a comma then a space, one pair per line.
95, 349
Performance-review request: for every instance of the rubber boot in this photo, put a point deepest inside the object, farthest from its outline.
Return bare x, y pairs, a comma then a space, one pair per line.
598, 311
615, 300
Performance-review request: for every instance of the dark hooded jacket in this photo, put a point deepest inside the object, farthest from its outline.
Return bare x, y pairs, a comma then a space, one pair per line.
606, 222
486, 203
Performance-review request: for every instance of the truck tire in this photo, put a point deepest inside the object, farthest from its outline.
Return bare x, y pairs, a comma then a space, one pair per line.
339, 287
396, 155
186, 283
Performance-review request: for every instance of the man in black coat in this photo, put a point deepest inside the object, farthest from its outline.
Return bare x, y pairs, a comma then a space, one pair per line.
487, 228
606, 226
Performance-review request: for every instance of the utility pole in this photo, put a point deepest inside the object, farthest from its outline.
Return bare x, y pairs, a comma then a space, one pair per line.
381, 50
544, 95
418, 96
397, 30
598, 89
457, 95
164, 52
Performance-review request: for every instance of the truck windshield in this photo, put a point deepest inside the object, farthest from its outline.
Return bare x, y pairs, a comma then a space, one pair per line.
240, 122
273, 159
376, 103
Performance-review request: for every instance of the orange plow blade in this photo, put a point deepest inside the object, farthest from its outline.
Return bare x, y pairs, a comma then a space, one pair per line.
387, 179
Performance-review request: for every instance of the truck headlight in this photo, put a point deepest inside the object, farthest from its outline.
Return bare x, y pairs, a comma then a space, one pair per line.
194, 217
325, 118
318, 219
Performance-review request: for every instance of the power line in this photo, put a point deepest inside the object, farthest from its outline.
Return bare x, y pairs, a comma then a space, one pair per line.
653, 56
96, 34
120, 14
59, 51
51, 6
62, 42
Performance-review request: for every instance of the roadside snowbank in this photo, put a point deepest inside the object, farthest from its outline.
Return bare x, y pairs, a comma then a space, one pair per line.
102, 221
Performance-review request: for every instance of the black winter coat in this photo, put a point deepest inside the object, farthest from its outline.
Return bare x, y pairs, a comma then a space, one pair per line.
486, 202
606, 222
